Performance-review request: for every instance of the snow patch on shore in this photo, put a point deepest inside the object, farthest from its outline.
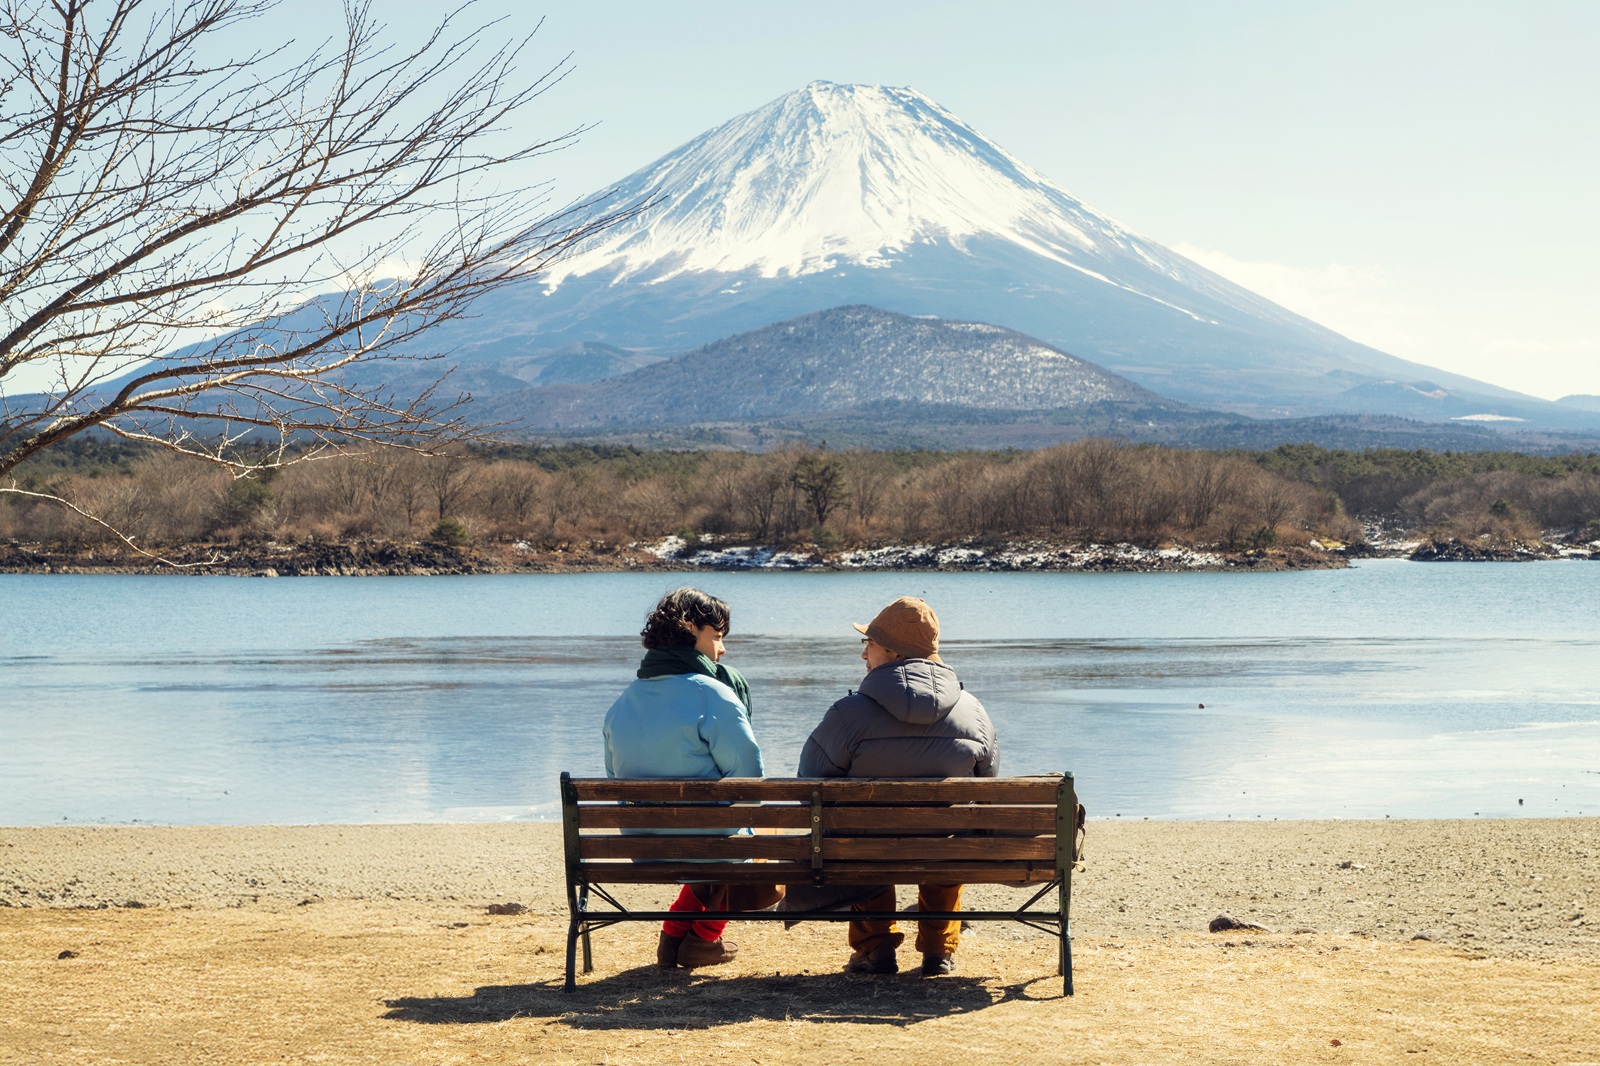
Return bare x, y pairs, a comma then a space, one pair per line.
1012, 557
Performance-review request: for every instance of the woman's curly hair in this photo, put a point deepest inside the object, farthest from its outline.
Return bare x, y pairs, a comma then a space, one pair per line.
680, 612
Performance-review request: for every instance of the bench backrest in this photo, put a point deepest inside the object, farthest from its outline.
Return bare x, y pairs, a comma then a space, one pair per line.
826, 831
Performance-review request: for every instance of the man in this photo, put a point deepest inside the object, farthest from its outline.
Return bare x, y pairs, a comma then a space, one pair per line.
909, 718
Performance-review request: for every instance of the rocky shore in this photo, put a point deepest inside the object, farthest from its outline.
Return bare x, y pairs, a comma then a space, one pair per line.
379, 559
374, 558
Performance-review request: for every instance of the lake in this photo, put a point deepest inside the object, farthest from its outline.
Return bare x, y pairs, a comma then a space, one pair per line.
1392, 689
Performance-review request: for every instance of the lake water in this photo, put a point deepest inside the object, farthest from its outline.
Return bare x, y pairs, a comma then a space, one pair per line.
1390, 689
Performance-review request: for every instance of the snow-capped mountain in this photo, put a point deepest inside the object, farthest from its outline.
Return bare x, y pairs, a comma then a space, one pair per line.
840, 176
854, 194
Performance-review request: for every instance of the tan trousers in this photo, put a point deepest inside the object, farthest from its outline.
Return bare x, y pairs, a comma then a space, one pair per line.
933, 938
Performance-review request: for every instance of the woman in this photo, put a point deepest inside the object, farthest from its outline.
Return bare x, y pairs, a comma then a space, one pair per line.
687, 715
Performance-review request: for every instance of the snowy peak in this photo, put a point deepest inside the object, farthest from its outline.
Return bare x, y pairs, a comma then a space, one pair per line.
830, 175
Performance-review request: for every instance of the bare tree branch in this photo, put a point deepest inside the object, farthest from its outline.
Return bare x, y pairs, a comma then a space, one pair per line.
169, 207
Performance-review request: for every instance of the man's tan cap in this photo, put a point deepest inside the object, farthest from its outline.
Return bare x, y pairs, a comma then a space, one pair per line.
908, 627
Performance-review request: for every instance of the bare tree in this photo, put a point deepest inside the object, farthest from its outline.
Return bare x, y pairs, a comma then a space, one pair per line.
169, 207
450, 480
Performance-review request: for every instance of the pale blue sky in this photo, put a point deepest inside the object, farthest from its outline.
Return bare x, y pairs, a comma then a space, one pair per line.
1420, 176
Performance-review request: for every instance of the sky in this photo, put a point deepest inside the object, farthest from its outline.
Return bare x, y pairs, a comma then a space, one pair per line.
1420, 177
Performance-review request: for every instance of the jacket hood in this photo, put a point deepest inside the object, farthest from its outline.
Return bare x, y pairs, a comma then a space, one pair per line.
918, 691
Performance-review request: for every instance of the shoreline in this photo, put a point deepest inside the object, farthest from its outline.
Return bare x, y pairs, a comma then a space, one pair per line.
382, 559
359, 559
371, 558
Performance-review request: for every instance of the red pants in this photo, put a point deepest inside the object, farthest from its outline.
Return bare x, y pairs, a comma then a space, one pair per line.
688, 902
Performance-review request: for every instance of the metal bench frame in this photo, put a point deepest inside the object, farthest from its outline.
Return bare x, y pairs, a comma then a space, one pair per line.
964, 831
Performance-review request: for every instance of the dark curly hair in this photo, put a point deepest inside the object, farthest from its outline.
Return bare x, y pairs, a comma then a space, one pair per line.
673, 622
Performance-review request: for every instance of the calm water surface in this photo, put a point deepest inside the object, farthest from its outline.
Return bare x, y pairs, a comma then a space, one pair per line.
1393, 688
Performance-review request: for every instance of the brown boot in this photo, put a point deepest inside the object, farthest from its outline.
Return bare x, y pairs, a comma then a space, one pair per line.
667, 951
696, 952
880, 960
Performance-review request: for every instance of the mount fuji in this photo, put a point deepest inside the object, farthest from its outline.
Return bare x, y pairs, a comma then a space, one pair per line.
838, 195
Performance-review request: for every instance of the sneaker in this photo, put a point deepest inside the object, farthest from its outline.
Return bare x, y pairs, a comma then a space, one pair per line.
881, 960
695, 952
667, 951
938, 965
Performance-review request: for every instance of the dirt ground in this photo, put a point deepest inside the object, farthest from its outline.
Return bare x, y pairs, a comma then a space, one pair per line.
373, 944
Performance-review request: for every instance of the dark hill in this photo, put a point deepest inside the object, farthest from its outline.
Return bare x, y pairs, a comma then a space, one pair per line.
839, 360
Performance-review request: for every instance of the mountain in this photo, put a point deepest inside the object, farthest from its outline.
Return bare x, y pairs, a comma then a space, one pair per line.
851, 194
835, 361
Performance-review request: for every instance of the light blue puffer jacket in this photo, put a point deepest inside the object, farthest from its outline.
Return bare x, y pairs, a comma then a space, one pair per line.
680, 725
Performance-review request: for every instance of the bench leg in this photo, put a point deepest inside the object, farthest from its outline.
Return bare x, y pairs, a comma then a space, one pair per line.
1064, 930
1066, 964
572, 954
588, 953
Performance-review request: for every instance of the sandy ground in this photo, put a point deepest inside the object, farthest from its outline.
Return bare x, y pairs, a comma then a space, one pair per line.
347, 944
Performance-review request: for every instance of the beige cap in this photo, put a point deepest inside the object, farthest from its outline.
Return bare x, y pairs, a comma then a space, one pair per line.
908, 627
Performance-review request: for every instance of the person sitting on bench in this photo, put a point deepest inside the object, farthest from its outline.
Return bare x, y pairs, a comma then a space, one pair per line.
688, 715
909, 718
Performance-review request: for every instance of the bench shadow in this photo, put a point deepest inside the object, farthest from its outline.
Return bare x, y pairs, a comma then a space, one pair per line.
647, 998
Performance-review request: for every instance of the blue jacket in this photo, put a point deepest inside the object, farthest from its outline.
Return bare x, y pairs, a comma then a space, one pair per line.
680, 725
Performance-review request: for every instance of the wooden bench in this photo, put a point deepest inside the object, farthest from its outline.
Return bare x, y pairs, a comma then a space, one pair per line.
821, 831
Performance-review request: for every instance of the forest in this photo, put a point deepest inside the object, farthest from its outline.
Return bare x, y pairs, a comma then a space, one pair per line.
553, 497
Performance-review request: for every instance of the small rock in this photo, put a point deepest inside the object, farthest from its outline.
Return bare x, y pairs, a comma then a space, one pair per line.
1348, 865
1223, 923
69, 954
507, 908
134, 905
1430, 935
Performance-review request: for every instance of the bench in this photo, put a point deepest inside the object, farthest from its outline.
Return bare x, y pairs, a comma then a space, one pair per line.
1020, 831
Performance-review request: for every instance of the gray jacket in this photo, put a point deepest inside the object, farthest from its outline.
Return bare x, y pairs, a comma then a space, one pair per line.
909, 718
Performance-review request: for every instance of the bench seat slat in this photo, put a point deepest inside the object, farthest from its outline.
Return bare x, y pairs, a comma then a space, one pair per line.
789, 873
938, 849
658, 873
987, 816
748, 789
1041, 790
940, 873
700, 817
793, 848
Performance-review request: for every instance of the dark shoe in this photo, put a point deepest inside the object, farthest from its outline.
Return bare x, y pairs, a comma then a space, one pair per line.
938, 965
881, 960
667, 951
695, 952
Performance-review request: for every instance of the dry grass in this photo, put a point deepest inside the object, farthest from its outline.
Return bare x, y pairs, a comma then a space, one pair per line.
409, 982
371, 944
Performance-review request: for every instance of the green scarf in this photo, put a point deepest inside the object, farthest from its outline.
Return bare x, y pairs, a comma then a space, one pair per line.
659, 662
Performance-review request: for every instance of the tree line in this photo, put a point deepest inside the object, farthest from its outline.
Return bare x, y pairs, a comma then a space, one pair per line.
549, 497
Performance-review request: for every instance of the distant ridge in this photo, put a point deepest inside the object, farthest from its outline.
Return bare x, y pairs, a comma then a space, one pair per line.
837, 360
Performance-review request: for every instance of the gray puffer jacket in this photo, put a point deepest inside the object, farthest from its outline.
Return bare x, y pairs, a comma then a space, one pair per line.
910, 718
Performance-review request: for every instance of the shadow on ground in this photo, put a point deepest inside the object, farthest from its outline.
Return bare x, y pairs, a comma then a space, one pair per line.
648, 998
